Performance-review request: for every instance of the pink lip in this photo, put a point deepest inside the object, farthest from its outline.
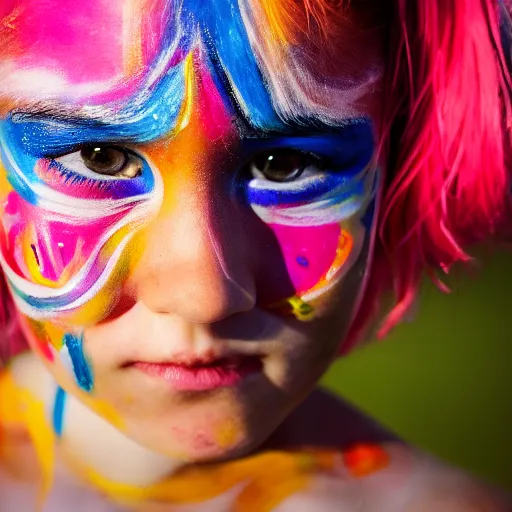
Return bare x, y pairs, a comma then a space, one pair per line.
203, 376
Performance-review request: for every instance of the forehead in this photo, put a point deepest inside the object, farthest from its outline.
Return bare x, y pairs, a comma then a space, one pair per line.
102, 51
74, 43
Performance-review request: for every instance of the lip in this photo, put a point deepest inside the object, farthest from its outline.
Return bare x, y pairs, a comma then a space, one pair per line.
202, 375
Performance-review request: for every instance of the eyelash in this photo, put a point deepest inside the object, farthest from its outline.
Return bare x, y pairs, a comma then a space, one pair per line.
346, 178
257, 191
73, 178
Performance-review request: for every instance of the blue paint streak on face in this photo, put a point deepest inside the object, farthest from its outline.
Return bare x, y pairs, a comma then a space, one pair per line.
13, 158
112, 189
53, 304
342, 158
226, 39
81, 367
330, 188
148, 116
346, 148
138, 121
59, 405
151, 113
21, 173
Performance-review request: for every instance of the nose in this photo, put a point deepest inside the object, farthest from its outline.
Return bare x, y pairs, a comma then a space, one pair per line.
193, 262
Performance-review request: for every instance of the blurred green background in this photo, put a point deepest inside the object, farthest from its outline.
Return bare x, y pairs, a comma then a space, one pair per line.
443, 382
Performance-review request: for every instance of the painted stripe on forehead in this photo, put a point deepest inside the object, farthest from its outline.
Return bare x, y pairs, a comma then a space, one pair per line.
216, 33
228, 45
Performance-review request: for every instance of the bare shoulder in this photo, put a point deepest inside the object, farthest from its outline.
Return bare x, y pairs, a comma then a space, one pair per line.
425, 483
393, 477
377, 472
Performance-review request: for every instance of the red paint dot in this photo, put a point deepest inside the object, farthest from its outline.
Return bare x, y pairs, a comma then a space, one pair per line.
365, 459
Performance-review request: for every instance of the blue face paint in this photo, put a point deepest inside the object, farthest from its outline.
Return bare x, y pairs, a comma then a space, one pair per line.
59, 406
40, 136
22, 172
227, 42
335, 172
347, 148
81, 367
302, 261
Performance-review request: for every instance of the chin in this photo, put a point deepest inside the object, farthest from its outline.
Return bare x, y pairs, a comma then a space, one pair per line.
198, 444
209, 431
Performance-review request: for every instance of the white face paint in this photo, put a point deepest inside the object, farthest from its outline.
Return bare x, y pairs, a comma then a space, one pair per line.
195, 262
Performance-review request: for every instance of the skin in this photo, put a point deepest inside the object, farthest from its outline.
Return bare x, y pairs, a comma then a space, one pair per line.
202, 278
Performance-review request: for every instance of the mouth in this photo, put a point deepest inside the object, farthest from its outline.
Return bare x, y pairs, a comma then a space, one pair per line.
201, 374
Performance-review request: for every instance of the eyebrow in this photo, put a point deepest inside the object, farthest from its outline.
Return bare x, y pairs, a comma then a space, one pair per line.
52, 131
50, 128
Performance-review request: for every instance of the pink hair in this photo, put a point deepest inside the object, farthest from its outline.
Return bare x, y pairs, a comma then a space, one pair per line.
446, 138
445, 142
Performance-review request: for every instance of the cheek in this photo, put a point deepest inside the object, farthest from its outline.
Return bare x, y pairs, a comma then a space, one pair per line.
67, 244
318, 261
61, 351
54, 262
45, 248
310, 252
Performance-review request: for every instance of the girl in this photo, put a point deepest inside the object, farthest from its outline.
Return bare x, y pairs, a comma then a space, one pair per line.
202, 204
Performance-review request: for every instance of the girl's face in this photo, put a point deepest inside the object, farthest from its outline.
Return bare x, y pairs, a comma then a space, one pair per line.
187, 202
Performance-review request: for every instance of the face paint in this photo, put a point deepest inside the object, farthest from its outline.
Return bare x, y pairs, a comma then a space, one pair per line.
59, 407
81, 367
58, 258
100, 163
320, 218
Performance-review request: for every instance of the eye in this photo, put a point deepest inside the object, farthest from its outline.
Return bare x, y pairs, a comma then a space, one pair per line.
282, 164
111, 161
